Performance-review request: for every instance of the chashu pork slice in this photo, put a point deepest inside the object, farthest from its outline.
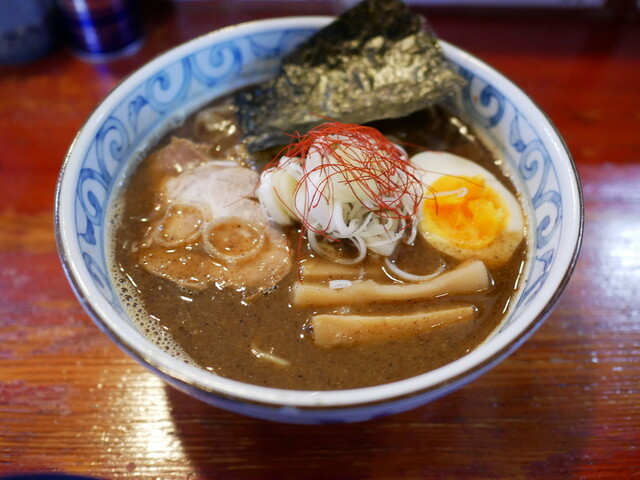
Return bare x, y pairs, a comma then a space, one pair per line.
209, 229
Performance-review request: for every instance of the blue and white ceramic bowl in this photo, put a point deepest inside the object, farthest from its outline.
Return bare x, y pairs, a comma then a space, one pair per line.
160, 94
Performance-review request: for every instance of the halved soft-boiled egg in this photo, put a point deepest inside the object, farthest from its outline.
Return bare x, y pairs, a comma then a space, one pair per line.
466, 212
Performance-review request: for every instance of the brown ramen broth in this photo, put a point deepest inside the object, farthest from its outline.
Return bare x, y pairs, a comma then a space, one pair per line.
230, 333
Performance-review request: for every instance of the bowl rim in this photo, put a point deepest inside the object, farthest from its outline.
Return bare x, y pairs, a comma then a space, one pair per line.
448, 377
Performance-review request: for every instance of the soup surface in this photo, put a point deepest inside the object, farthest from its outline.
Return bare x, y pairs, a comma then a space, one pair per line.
258, 335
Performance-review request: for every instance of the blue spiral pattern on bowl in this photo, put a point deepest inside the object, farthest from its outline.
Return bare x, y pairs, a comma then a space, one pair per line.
213, 71
527, 156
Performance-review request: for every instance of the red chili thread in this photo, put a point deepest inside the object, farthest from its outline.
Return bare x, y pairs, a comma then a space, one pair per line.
368, 162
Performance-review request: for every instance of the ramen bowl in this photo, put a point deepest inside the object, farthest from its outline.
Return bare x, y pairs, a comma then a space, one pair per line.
162, 93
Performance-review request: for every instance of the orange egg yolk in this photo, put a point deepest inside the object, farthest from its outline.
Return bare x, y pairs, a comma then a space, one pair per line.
464, 210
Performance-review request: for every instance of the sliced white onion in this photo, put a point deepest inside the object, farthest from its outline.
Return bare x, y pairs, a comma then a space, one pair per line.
229, 258
410, 277
174, 209
318, 248
275, 194
328, 202
338, 284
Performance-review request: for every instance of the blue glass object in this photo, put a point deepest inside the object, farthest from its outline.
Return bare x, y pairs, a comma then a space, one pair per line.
101, 29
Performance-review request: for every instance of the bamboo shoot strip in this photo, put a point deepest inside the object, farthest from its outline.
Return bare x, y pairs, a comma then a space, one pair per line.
468, 277
312, 268
348, 330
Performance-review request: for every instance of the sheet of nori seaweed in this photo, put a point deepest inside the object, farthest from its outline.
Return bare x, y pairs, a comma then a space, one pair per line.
377, 60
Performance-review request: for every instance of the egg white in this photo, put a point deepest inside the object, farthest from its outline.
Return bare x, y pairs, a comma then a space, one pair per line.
433, 165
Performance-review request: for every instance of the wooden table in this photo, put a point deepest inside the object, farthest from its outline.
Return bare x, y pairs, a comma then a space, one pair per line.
566, 405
